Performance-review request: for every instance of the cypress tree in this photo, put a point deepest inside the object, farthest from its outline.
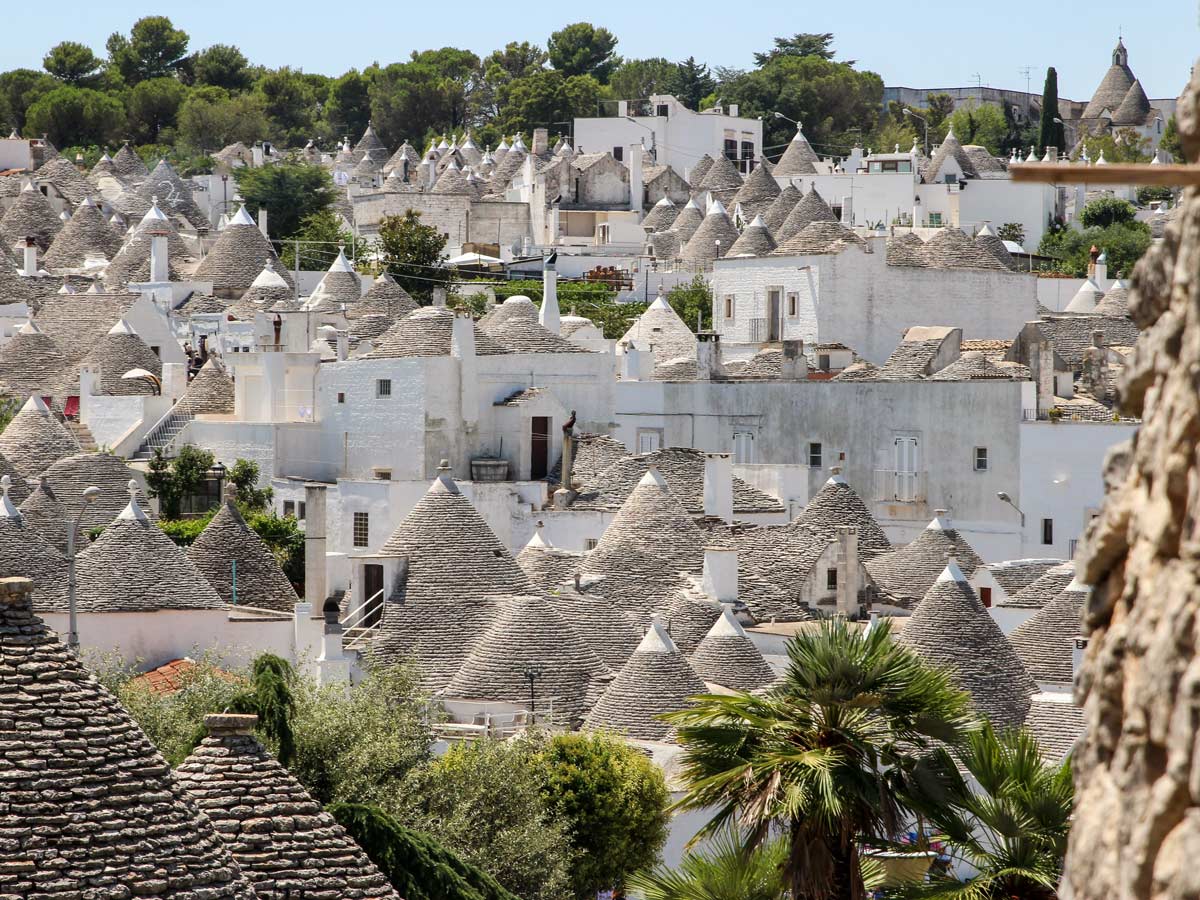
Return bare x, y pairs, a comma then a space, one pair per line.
1050, 133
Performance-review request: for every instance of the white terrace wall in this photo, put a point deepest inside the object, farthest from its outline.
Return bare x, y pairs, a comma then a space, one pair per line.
457, 216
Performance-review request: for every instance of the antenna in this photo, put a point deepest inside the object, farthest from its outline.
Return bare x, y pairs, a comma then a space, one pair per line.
1026, 71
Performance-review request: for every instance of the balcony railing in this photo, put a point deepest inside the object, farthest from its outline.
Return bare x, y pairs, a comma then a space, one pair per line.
892, 486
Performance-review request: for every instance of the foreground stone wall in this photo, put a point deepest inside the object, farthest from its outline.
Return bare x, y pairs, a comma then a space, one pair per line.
1137, 828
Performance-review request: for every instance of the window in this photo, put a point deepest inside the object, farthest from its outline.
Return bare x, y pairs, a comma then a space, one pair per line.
731, 149
362, 529
662, 110
793, 305
383, 387
157, 351
831, 579
619, 154
748, 150
823, 362
1047, 531
383, 474
814, 455
341, 396
743, 448
648, 440
729, 306
935, 220
951, 178
985, 597
289, 507
981, 459
590, 544
300, 510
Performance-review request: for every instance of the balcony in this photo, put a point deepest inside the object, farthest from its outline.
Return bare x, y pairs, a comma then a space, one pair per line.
900, 487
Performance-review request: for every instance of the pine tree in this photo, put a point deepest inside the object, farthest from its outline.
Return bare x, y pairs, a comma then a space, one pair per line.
1050, 133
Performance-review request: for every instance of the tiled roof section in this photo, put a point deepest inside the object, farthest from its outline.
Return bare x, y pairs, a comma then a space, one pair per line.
1057, 724
70, 477
950, 248
949, 149
836, 505
683, 470
755, 240
85, 233
1111, 91
427, 332
547, 566
67, 180
661, 216
25, 553
1072, 334
661, 329
699, 170
989, 241
210, 392
690, 614
1046, 640
798, 158
1135, 108
45, 514
774, 565
228, 541
780, 208
911, 360
237, 257
650, 540
810, 208
170, 677
593, 454
134, 567
82, 770
129, 165
282, 839
132, 262
656, 679
35, 439
986, 165
32, 363
118, 352
818, 237
30, 215
689, 219
611, 633
528, 631
728, 658
78, 322
758, 191
906, 250
974, 365
858, 371
1014, 575
951, 630
385, 296
518, 307
712, 239
682, 369
519, 335
766, 363
1115, 303
904, 575
172, 194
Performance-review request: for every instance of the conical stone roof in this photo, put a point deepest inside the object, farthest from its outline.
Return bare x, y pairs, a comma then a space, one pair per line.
729, 658
134, 567
755, 240
341, 283
30, 215
758, 192
528, 634
91, 807
1042, 590
85, 233
32, 363
811, 208
661, 216
384, 297
25, 553
950, 148
67, 180
227, 541
1134, 109
427, 332
702, 247
282, 839
267, 289
210, 392
837, 504
129, 165
951, 248
237, 257
781, 207
905, 574
547, 566
656, 679
722, 178
1115, 303
649, 541
990, 242
690, 615
661, 329
1112, 88
34, 439
70, 477
518, 307
818, 237
172, 194
120, 351
906, 250
611, 633
1046, 640
689, 219
44, 514
951, 629
698, 171
798, 159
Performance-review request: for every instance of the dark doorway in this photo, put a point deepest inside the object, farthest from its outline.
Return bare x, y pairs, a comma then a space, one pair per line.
372, 586
539, 458
774, 311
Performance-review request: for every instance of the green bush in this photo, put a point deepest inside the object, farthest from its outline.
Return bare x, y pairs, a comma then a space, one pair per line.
1105, 212
1124, 244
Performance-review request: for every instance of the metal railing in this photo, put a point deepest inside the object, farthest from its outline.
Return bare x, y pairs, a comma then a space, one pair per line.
892, 486
163, 434
1072, 546
362, 623
758, 330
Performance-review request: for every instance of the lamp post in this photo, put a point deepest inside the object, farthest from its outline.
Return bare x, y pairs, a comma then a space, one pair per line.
89, 494
1005, 498
653, 137
532, 672
224, 194
218, 471
908, 112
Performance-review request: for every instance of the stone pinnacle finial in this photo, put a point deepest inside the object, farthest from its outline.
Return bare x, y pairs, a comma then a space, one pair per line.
132, 487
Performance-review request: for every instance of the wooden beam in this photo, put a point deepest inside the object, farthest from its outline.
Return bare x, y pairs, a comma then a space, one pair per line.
1111, 173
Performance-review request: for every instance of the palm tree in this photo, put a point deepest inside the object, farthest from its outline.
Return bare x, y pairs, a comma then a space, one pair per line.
725, 870
821, 755
1002, 810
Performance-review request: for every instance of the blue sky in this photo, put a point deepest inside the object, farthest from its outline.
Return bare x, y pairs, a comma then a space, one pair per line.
934, 43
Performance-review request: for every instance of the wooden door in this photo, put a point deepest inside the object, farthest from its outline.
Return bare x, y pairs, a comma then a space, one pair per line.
372, 588
539, 460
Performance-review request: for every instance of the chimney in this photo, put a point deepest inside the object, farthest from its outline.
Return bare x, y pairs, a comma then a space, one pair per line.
1095, 367
221, 725
343, 345
314, 545
847, 571
439, 297
160, 267
708, 356
31, 258
568, 456
794, 364
631, 360
718, 486
720, 579
462, 348
332, 665
541, 142
1078, 648
262, 222
548, 315
636, 178
1093, 255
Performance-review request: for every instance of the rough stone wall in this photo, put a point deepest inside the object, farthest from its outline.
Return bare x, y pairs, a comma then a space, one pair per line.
1137, 827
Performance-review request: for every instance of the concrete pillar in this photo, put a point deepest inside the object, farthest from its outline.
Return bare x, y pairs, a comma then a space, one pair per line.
720, 579
439, 297
160, 269
333, 666
462, 348
262, 223
636, 179
794, 364
30, 267
708, 357
1078, 648
314, 546
848, 582
549, 315
343, 346
631, 364
718, 486
568, 458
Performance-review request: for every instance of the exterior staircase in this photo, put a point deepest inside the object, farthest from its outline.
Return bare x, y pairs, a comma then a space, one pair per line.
83, 434
162, 435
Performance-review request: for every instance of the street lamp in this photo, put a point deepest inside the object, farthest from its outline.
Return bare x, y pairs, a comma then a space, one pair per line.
1004, 497
908, 112
780, 115
218, 472
532, 672
89, 495
653, 137
225, 194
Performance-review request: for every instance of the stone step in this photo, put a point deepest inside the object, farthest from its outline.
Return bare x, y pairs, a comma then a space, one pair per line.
83, 435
